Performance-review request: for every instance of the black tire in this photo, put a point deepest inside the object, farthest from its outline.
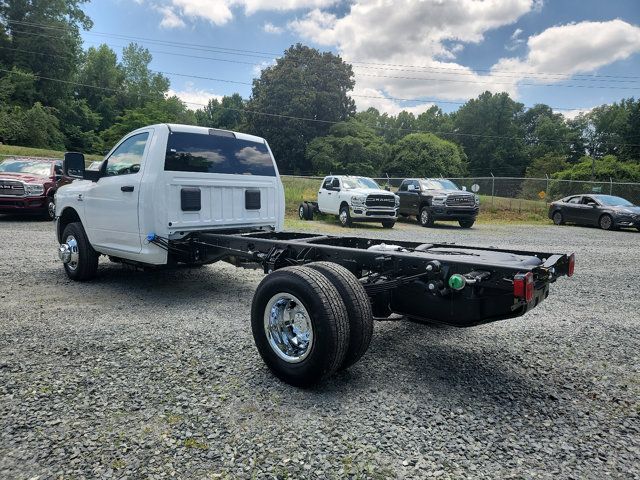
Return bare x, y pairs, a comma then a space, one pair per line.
309, 211
302, 211
425, 218
557, 217
358, 308
344, 217
327, 315
388, 223
87, 261
51, 208
606, 222
466, 223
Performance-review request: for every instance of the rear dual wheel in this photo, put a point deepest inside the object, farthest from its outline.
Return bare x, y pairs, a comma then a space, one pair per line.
305, 211
309, 322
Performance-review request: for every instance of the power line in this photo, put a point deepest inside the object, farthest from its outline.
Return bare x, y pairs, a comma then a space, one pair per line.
315, 120
381, 97
270, 55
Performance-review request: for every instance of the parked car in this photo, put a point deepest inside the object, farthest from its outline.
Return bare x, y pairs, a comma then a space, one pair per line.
605, 211
353, 199
28, 185
435, 199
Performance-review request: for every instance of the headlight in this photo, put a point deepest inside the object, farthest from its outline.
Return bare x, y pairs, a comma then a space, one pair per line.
477, 199
439, 200
397, 198
358, 200
33, 189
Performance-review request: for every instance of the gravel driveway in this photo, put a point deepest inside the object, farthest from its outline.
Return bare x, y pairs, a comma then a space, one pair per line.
155, 375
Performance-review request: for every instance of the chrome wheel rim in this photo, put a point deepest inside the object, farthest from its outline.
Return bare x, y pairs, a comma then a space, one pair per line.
51, 209
301, 212
605, 223
343, 217
424, 217
288, 328
75, 252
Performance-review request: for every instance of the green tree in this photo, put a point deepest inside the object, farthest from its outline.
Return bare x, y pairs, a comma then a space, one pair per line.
170, 110
606, 169
545, 132
435, 121
227, 114
490, 131
101, 81
44, 37
351, 147
426, 155
303, 83
141, 84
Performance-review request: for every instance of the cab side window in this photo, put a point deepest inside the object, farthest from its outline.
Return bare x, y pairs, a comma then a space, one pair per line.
127, 158
589, 201
403, 187
574, 200
335, 184
327, 183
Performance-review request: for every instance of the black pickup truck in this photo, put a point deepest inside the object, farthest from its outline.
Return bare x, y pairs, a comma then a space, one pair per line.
431, 199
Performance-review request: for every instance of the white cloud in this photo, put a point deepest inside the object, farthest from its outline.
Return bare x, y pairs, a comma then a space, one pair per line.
370, 97
571, 114
515, 40
271, 28
219, 12
412, 33
169, 18
195, 98
576, 48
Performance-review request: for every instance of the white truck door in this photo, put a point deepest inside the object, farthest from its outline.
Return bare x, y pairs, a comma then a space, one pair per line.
334, 196
324, 195
111, 204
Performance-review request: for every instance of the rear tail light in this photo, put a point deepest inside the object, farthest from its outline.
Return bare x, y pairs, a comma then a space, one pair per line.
572, 265
523, 286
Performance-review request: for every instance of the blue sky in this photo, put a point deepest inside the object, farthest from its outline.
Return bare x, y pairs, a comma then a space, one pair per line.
573, 54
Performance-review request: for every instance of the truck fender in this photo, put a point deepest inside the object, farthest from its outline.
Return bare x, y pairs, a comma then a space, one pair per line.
68, 215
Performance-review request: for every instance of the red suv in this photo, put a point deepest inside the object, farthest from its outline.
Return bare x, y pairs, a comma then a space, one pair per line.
28, 185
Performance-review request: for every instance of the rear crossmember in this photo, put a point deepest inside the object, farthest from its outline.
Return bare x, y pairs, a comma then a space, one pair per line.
444, 283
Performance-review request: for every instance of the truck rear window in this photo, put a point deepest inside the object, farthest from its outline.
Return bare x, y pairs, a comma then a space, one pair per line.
195, 152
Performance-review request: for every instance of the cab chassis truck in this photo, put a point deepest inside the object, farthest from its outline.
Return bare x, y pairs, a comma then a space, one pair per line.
313, 313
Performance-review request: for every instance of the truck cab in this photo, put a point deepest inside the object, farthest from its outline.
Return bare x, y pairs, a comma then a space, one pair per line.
432, 199
357, 199
167, 181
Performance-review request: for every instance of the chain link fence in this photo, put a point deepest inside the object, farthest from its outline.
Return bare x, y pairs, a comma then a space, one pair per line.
511, 193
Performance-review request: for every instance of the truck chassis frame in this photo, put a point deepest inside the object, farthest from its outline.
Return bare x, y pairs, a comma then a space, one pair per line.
409, 278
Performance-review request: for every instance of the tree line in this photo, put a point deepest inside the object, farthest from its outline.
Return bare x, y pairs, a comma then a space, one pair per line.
55, 94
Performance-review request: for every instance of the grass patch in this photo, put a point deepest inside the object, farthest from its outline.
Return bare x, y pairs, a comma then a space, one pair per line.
38, 152
193, 443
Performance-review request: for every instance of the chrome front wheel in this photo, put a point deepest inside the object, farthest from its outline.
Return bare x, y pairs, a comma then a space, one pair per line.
288, 327
72, 253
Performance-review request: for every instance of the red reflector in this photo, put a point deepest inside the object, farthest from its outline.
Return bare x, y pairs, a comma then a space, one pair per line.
572, 265
523, 286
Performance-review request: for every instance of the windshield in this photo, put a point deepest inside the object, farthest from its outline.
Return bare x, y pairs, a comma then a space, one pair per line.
440, 184
34, 167
360, 182
612, 201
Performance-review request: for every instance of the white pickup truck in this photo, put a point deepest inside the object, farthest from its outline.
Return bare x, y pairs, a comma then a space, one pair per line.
353, 199
175, 194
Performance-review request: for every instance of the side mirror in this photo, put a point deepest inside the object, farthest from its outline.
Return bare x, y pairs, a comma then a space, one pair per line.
464, 188
387, 188
73, 167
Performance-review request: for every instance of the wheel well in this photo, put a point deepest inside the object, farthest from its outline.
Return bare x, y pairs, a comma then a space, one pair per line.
344, 204
424, 203
69, 215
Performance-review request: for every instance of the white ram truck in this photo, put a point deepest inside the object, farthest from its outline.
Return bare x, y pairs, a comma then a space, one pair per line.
353, 199
175, 194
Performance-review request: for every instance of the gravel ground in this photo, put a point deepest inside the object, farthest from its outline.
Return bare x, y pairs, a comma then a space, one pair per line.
155, 375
